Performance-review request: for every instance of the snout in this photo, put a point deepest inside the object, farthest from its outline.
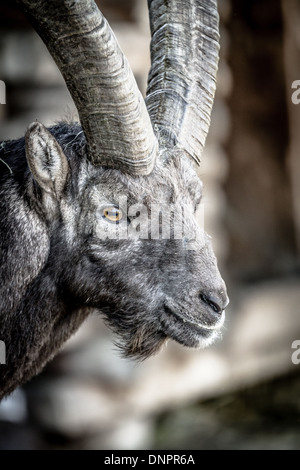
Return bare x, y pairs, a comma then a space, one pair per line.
217, 300
195, 298
213, 300
195, 319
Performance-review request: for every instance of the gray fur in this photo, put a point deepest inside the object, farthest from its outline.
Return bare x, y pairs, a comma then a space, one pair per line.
62, 255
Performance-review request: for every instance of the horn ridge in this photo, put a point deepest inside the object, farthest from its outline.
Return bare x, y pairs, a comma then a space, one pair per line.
110, 106
184, 64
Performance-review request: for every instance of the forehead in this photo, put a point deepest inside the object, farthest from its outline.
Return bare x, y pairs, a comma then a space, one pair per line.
173, 180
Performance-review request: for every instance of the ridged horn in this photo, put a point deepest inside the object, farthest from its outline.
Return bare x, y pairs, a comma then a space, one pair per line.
182, 77
111, 108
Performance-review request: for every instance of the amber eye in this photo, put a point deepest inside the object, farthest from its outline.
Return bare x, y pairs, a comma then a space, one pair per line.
112, 214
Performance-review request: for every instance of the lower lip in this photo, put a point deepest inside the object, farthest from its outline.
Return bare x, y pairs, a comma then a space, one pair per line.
198, 326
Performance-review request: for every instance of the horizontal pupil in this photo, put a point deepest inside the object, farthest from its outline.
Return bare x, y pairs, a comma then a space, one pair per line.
112, 214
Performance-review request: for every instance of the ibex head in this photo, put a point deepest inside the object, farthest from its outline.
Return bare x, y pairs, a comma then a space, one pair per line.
116, 200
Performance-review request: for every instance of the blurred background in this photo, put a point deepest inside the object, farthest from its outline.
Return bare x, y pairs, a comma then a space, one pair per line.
242, 392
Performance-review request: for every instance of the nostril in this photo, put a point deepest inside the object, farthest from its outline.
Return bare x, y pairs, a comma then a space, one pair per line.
215, 304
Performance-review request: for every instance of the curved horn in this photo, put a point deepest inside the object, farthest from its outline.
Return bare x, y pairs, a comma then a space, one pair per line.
182, 78
111, 108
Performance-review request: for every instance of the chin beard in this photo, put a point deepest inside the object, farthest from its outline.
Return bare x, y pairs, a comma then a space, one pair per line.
136, 338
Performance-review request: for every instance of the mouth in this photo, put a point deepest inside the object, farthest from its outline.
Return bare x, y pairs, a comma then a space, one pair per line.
191, 327
189, 324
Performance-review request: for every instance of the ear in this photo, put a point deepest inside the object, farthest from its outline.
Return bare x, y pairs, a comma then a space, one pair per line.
46, 160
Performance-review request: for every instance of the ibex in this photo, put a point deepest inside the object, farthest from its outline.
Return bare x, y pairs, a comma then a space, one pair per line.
72, 196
